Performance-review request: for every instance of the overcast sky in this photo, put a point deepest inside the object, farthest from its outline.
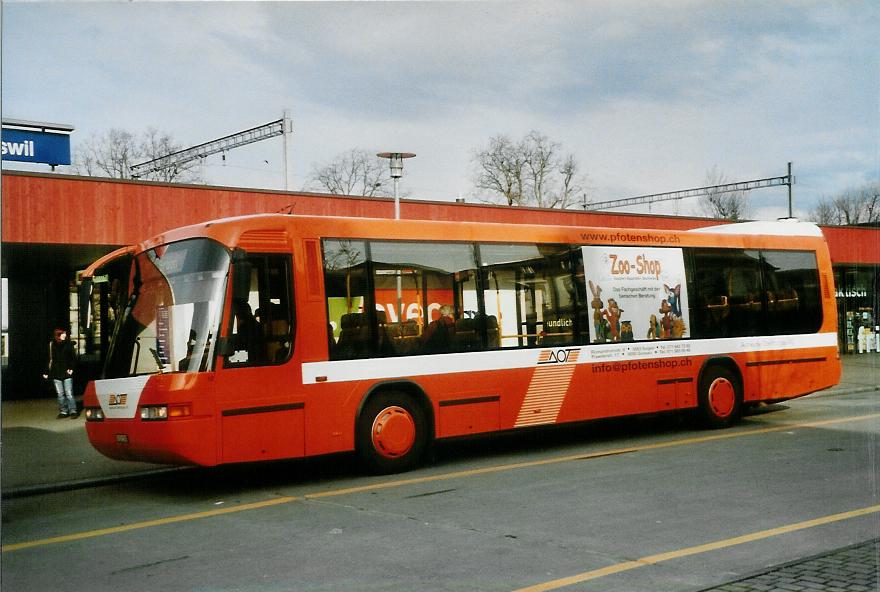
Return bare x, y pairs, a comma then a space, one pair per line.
648, 96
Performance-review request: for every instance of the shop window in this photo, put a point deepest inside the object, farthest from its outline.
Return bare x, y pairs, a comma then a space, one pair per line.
857, 300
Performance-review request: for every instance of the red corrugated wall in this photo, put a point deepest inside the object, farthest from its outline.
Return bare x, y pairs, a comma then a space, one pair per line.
57, 209
84, 210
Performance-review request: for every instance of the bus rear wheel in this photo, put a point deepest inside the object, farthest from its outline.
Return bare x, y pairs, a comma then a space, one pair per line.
391, 433
720, 397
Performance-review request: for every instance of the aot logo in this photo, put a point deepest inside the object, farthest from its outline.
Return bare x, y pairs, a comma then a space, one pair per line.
558, 356
117, 400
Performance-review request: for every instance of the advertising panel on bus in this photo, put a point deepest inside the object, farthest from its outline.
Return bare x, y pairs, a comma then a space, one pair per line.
636, 293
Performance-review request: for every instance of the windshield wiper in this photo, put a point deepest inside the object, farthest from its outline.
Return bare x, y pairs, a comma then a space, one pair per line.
158, 360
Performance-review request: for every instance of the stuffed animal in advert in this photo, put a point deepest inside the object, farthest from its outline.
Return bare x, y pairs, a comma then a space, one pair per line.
653, 327
600, 325
673, 297
665, 320
678, 328
612, 313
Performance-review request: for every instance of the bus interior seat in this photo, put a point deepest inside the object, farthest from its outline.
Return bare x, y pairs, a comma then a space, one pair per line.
742, 287
466, 337
493, 332
408, 339
277, 335
386, 333
353, 336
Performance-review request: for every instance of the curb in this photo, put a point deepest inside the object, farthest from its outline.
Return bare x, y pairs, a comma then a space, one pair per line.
61, 486
833, 392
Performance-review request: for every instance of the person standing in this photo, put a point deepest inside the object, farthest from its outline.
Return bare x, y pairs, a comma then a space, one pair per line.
62, 360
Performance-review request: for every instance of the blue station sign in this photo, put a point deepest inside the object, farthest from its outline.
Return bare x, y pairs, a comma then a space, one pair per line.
38, 146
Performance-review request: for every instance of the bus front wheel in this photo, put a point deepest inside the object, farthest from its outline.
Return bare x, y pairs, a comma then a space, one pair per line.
720, 397
391, 433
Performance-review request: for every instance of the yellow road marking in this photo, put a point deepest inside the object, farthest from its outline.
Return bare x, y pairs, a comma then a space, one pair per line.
583, 456
148, 524
427, 479
697, 549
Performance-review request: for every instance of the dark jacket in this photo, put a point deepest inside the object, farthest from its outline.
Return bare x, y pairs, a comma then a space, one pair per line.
61, 359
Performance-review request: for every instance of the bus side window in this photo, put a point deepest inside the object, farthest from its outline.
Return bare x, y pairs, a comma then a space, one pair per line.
275, 314
729, 299
425, 297
262, 325
530, 294
791, 284
345, 285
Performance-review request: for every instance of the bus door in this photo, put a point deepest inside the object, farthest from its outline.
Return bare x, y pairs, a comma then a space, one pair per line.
261, 412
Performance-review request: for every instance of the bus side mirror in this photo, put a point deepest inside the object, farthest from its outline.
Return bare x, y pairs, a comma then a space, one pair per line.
84, 294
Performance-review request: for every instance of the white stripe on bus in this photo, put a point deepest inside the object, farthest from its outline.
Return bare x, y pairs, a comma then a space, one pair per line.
427, 365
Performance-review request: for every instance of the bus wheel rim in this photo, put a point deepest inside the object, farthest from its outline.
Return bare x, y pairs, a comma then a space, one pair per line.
394, 432
722, 397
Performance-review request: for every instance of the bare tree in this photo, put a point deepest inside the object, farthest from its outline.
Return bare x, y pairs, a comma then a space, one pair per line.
727, 205
824, 213
531, 172
356, 172
573, 183
500, 169
858, 205
112, 154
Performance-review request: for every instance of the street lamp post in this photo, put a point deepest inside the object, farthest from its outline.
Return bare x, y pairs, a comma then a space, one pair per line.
395, 160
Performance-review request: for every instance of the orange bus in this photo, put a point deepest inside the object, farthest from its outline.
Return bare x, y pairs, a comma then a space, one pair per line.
281, 336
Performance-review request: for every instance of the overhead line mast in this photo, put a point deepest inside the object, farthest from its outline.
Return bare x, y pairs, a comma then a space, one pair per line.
697, 192
224, 144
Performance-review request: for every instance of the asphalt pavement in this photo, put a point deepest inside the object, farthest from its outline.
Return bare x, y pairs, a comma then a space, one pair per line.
40, 453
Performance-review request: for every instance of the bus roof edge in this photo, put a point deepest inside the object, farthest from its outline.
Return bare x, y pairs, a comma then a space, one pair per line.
781, 227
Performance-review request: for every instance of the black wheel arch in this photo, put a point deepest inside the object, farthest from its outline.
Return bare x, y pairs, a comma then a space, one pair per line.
724, 362
714, 367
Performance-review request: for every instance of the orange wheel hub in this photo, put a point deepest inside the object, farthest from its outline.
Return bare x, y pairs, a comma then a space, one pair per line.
722, 397
394, 432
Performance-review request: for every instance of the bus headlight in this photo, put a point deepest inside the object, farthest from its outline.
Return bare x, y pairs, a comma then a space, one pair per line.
94, 414
154, 413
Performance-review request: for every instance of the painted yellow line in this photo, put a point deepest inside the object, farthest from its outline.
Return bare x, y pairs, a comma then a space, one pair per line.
695, 550
583, 456
148, 524
714, 437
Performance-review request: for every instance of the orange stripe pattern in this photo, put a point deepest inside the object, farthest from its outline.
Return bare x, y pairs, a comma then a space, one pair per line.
548, 388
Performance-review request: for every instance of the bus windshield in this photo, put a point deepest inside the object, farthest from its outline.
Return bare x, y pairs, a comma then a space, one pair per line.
171, 320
